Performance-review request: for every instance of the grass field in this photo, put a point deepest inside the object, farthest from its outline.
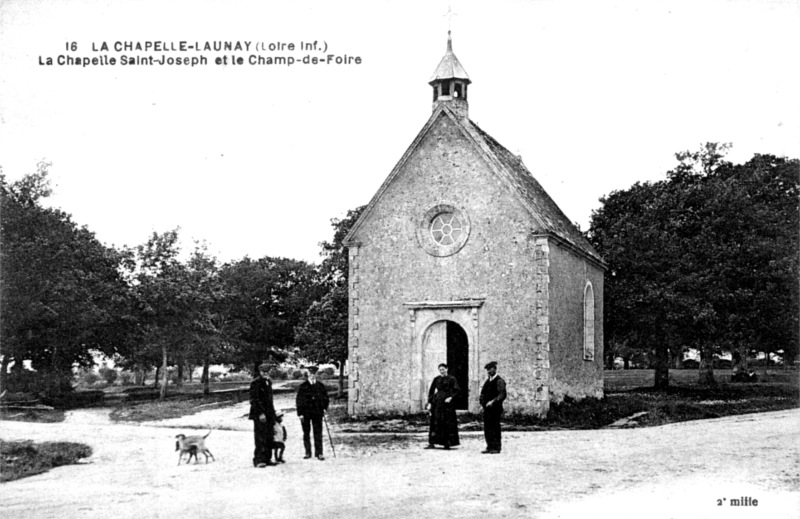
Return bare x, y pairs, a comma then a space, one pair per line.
22, 459
191, 400
633, 378
629, 392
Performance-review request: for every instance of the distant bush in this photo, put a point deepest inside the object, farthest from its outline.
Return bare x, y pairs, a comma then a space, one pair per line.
298, 374
241, 376
110, 375
127, 378
326, 373
722, 364
277, 374
90, 378
39, 383
690, 364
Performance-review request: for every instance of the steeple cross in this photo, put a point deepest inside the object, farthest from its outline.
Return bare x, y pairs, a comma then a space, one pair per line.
449, 15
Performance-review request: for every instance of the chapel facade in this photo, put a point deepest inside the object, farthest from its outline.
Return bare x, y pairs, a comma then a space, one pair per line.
462, 258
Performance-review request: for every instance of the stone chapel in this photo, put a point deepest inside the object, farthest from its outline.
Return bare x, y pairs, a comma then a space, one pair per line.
462, 258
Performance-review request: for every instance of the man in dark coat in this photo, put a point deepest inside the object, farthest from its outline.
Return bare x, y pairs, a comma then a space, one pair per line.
262, 412
492, 395
312, 403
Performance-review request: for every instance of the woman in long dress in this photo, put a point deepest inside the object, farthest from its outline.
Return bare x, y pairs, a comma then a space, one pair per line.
444, 424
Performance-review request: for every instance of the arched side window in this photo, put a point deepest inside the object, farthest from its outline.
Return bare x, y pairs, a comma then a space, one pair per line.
588, 322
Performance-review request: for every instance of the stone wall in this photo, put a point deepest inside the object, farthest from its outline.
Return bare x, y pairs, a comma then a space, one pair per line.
496, 266
571, 374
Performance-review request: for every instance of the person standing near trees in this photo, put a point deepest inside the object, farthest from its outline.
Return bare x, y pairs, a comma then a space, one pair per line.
262, 412
312, 403
444, 423
492, 395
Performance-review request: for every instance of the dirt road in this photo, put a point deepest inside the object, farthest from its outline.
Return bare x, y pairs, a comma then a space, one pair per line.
689, 470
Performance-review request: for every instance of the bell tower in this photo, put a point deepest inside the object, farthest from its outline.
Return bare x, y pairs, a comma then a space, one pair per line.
450, 82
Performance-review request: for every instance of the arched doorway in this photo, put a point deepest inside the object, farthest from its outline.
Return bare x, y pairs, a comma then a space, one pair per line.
446, 341
458, 361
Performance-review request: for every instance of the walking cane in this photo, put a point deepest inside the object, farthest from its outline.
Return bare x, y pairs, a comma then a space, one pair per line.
329, 434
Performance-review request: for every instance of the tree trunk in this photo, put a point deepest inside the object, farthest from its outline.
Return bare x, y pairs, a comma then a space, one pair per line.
609, 355
4, 372
661, 365
158, 374
678, 360
206, 377
706, 371
179, 377
164, 375
740, 364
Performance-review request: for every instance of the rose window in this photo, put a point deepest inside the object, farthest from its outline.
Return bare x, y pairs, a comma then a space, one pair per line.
446, 229
443, 230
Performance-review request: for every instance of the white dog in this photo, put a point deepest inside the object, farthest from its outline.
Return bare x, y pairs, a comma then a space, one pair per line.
192, 445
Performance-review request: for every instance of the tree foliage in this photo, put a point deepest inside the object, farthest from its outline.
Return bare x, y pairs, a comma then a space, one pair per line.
163, 293
268, 296
62, 293
705, 259
322, 334
335, 267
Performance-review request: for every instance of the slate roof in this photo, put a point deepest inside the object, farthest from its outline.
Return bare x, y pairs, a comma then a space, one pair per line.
546, 215
449, 67
550, 216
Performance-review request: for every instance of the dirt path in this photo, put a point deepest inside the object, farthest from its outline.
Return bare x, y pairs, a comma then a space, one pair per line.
679, 470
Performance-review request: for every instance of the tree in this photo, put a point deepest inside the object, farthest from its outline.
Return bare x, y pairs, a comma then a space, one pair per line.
627, 231
705, 259
62, 293
757, 209
335, 267
160, 284
322, 334
268, 297
215, 328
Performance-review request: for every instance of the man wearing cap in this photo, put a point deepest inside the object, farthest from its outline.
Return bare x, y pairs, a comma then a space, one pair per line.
492, 395
262, 412
312, 402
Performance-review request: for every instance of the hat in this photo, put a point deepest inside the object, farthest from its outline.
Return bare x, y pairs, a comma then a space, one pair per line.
265, 367
490, 365
312, 368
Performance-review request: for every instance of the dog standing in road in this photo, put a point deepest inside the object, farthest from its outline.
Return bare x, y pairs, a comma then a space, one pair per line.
192, 445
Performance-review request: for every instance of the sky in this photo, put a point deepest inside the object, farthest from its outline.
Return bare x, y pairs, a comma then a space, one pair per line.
255, 160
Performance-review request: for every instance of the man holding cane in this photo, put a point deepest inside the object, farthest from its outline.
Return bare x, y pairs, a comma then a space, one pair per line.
312, 403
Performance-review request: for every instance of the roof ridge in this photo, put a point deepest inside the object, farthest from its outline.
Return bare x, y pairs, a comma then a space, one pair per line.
550, 214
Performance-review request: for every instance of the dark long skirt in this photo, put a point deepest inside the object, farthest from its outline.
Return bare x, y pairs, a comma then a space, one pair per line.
444, 425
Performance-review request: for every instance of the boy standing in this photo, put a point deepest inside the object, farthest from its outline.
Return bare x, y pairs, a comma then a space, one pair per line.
279, 438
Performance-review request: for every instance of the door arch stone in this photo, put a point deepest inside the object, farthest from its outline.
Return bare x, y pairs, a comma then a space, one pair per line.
428, 346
